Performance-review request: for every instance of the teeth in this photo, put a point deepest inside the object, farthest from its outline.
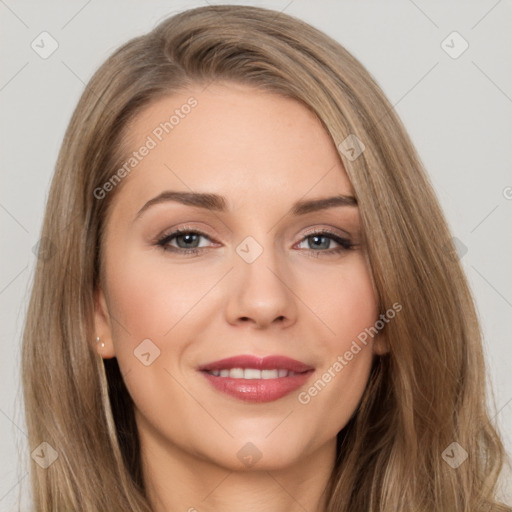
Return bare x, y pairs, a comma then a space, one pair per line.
236, 373
252, 373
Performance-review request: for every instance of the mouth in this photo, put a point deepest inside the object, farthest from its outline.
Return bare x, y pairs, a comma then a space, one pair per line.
256, 379
252, 373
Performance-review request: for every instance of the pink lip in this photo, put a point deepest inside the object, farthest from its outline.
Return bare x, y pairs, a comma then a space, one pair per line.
258, 390
259, 363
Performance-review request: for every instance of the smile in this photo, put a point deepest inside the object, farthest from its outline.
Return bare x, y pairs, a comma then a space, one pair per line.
253, 378
252, 373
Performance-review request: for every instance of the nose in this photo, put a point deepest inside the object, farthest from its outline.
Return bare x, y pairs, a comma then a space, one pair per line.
261, 292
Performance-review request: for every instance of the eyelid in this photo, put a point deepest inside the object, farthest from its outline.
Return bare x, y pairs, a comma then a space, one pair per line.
309, 231
183, 228
345, 242
332, 230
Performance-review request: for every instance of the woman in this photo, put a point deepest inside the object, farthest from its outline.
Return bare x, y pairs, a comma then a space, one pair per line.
241, 374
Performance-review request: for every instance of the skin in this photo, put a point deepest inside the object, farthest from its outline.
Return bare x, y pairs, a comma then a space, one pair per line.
262, 152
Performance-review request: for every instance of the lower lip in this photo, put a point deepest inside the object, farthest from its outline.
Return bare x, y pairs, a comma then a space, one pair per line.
258, 390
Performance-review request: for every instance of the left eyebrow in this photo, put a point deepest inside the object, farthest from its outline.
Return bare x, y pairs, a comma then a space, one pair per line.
219, 203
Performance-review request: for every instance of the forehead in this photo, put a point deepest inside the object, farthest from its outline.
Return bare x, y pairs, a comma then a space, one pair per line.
233, 140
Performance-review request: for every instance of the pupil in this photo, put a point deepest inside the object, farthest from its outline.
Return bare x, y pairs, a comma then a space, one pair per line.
188, 238
316, 238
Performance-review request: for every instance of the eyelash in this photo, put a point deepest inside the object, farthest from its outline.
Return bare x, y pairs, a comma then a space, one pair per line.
345, 244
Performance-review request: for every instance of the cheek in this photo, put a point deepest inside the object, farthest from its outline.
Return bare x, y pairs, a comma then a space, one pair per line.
353, 318
166, 303
344, 301
149, 297
350, 311
148, 301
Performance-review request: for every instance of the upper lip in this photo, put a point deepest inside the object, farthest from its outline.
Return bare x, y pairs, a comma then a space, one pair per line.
260, 363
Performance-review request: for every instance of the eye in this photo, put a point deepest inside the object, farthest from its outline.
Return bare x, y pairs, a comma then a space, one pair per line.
186, 239
187, 242
321, 240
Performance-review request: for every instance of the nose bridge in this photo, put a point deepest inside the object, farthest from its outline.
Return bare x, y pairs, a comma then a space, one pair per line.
259, 288
257, 264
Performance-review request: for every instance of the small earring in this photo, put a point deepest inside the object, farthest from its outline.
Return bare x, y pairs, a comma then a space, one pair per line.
102, 343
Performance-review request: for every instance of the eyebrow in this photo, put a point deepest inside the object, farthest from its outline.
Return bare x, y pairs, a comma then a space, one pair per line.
218, 203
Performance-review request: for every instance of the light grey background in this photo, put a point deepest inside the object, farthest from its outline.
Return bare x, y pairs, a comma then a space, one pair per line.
457, 111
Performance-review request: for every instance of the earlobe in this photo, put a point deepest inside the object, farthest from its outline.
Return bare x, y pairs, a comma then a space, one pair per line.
381, 345
103, 344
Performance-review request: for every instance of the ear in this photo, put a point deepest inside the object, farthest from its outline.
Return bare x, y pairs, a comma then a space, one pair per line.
380, 344
103, 327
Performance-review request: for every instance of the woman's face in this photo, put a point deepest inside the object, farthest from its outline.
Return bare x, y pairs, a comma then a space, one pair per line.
260, 278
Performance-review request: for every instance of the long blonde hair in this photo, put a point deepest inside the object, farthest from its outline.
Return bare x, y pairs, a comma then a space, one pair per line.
426, 393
